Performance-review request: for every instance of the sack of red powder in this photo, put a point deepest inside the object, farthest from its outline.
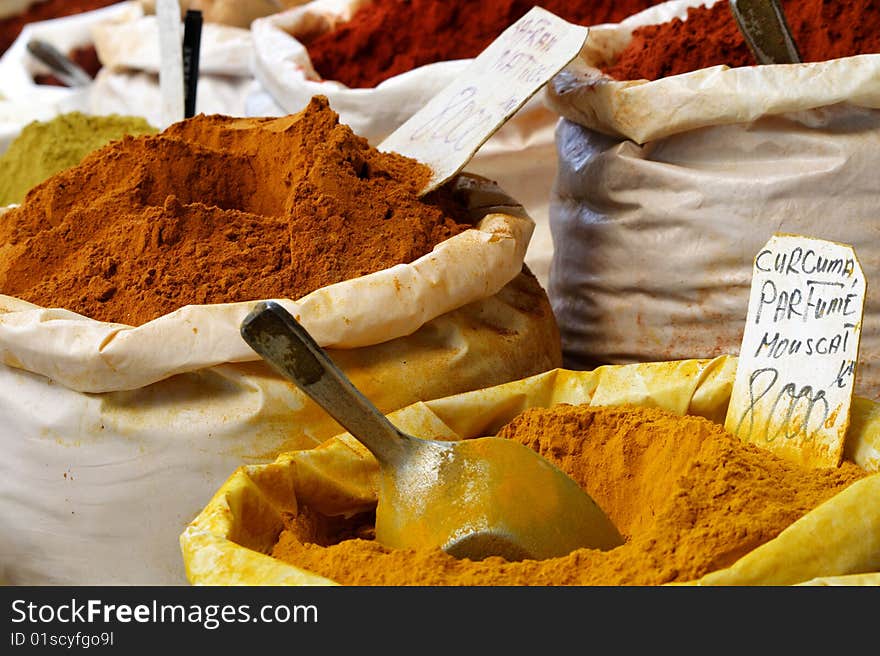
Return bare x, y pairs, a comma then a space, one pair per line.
394, 59
668, 187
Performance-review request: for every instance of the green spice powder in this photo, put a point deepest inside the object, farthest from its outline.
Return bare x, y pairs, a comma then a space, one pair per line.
46, 147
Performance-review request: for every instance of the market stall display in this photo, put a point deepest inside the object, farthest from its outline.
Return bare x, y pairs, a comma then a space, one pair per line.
695, 504
667, 187
573, 286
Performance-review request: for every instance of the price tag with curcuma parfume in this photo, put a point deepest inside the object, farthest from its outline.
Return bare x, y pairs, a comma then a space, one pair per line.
797, 363
452, 126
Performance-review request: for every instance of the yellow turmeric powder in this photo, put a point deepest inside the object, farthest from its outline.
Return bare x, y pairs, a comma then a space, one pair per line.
688, 497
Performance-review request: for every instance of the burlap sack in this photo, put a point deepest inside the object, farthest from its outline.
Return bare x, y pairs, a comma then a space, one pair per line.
114, 436
666, 191
227, 543
521, 156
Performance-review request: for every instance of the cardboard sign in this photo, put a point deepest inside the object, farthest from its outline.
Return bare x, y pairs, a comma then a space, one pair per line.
448, 130
797, 364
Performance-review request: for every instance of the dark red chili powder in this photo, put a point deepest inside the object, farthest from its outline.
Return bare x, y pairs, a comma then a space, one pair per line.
11, 26
822, 30
389, 37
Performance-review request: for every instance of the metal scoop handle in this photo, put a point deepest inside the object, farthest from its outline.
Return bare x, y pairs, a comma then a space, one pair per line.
64, 68
279, 339
763, 26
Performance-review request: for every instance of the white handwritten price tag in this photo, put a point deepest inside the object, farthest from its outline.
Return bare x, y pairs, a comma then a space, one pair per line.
797, 364
448, 130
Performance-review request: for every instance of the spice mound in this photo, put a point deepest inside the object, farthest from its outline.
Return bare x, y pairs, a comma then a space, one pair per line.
688, 497
218, 209
710, 37
385, 38
46, 147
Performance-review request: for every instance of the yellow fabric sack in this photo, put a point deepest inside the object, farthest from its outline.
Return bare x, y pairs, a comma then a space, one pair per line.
227, 543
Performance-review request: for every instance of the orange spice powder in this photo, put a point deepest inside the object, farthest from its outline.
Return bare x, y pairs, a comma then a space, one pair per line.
688, 497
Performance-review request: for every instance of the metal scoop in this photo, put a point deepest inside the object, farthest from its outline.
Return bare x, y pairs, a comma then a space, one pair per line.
472, 498
62, 66
765, 30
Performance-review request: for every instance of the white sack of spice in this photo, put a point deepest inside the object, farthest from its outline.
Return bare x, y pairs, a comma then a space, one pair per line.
667, 189
114, 437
